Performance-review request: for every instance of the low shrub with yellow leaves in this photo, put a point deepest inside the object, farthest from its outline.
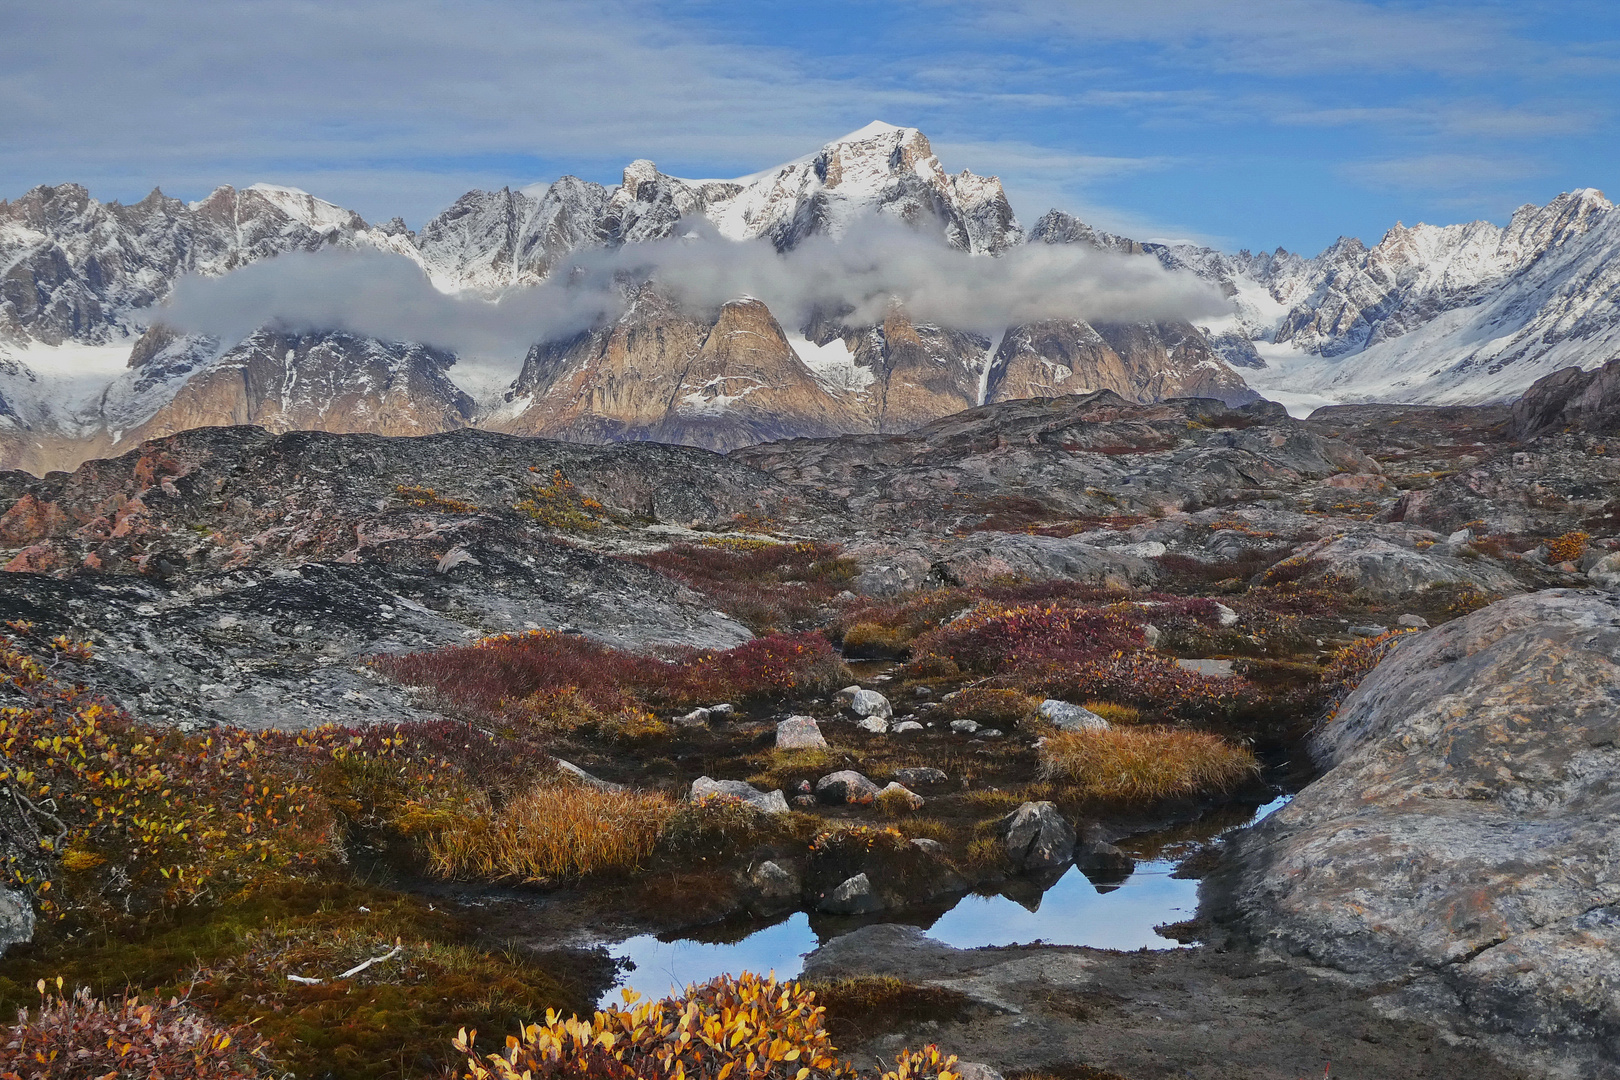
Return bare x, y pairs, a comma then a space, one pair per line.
746, 1027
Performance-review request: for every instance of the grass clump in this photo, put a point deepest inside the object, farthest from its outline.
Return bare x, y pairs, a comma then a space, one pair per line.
550, 833
989, 707
1145, 764
1115, 713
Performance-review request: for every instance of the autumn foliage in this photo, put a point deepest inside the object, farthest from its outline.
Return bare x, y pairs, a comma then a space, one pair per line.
508, 674
77, 1036
746, 1027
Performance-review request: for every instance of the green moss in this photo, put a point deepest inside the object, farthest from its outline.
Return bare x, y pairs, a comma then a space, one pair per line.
394, 1020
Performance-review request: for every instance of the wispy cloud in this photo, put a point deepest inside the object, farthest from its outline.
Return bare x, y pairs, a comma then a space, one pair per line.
387, 296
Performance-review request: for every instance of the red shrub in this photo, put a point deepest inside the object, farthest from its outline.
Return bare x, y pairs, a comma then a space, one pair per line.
993, 637
495, 674
82, 1037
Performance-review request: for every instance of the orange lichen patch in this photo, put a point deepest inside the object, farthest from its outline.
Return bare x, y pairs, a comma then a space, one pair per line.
29, 520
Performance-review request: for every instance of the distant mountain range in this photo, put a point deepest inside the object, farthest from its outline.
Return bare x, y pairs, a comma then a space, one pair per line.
87, 366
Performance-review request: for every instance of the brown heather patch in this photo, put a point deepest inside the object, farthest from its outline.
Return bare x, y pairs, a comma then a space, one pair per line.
768, 587
1145, 764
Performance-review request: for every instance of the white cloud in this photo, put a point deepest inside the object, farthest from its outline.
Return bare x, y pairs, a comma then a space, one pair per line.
388, 297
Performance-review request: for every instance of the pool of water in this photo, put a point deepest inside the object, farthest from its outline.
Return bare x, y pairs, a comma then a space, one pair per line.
1073, 911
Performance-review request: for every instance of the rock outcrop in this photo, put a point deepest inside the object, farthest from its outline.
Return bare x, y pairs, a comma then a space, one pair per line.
1570, 400
1462, 840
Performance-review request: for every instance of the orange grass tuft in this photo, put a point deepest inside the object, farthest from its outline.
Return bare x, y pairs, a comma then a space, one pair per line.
1145, 764
552, 832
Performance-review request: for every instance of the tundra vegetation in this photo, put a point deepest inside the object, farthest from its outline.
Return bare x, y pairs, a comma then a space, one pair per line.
230, 903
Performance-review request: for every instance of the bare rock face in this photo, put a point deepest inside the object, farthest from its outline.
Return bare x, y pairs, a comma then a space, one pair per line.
1464, 835
1570, 399
662, 374
1091, 455
16, 919
1138, 361
313, 382
1036, 838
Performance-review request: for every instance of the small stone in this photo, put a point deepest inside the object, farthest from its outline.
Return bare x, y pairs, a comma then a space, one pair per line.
932, 847
920, 692
897, 791
773, 802
1369, 631
773, 881
845, 786
1066, 716
1567, 568
919, 775
964, 727
695, 719
800, 733
974, 1070
568, 768
989, 733
805, 788
1215, 669
1414, 622
905, 727
853, 897
1225, 616
870, 703
874, 724
722, 712
805, 802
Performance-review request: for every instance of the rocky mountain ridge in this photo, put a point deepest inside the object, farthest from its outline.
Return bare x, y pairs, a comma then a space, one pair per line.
1461, 313
84, 277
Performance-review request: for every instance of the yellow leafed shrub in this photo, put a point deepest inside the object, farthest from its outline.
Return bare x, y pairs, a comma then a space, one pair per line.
746, 1027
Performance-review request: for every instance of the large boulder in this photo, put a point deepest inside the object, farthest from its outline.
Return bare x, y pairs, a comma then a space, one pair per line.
1385, 568
16, 920
800, 733
1035, 837
985, 557
769, 802
1066, 716
1466, 836
870, 703
846, 786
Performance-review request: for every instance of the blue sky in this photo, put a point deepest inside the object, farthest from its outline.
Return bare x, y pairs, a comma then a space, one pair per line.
1243, 124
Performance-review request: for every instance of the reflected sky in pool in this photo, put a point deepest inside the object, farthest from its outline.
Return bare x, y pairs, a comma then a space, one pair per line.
663, 965
1071, 912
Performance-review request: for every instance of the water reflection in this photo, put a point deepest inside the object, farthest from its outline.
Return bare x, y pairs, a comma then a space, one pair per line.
1118, 912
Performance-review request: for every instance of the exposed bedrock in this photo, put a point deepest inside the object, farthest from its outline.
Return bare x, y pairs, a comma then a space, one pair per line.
1462, 845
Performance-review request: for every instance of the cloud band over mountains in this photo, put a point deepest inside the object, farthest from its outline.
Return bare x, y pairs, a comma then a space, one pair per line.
377, 294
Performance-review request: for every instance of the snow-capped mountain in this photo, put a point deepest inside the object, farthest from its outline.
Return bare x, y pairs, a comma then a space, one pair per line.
86, 367
1456, 314
1460, 313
